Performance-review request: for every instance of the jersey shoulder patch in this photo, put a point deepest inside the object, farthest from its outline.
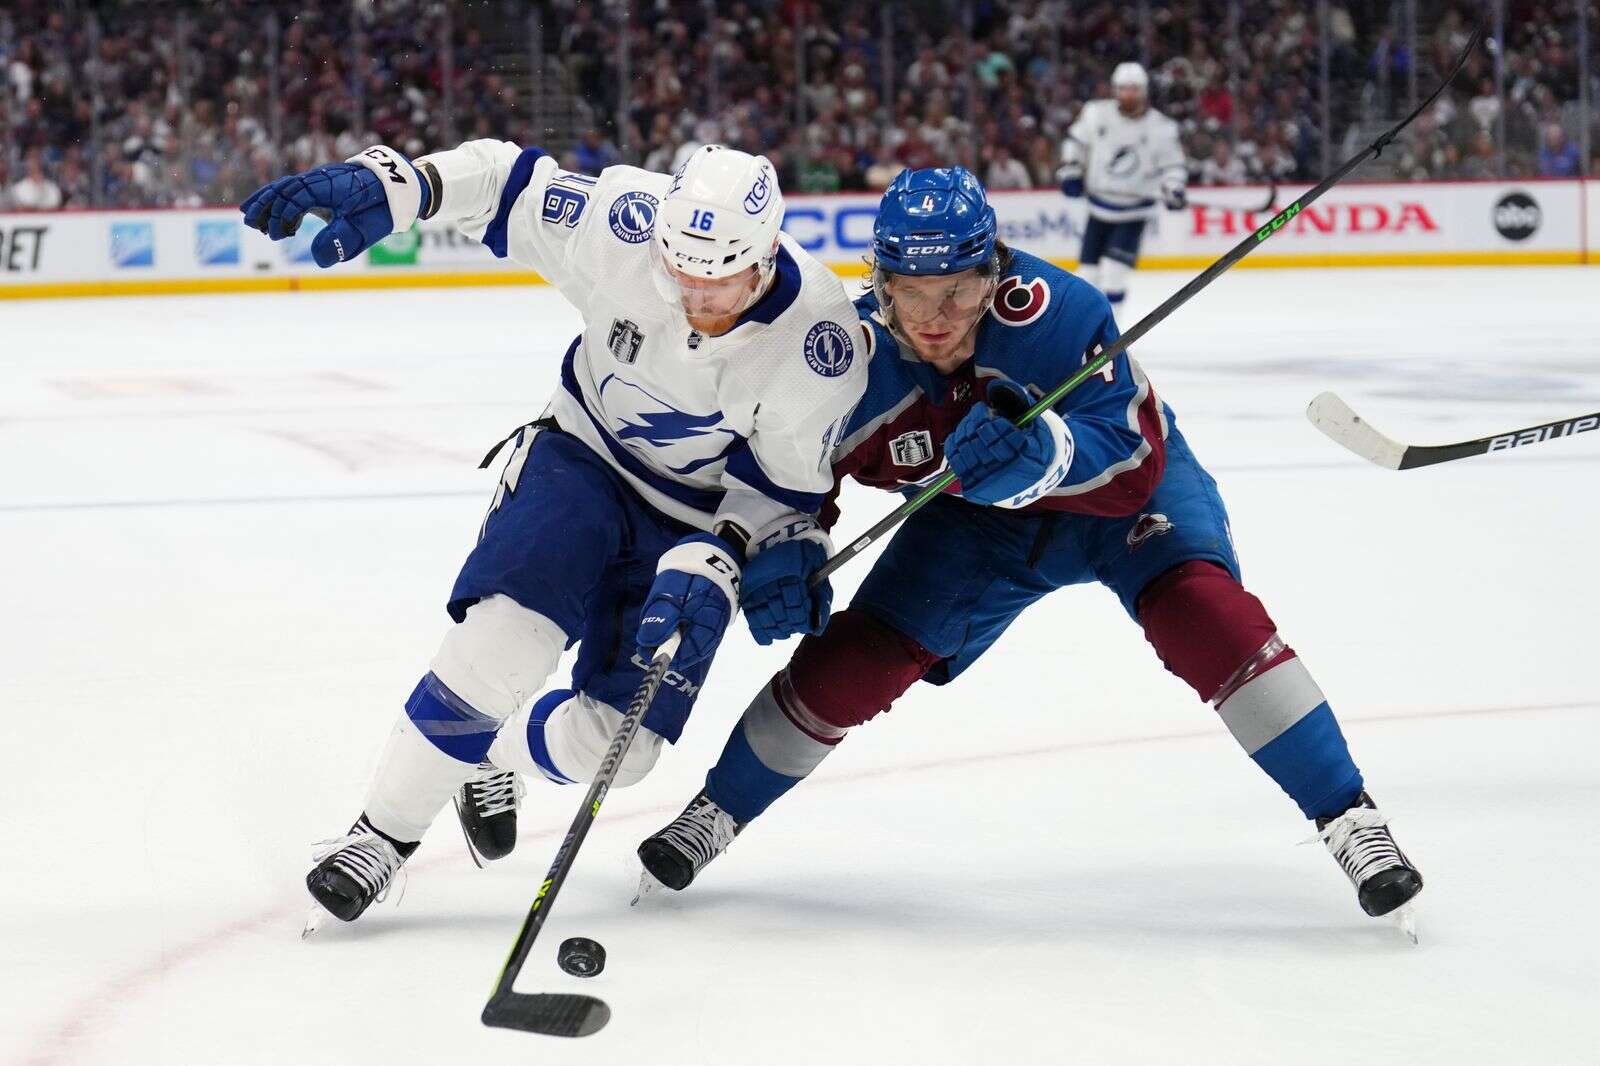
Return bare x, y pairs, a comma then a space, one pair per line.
633, 217
1020, 299
828, 349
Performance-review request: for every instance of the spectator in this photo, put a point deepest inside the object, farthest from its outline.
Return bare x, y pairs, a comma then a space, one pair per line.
1216, 103
1558, 157
593, 153
1223, 168
1006, 171
819, 175
184, 89
1482, 161
1042, 162
35, 192
1485, 107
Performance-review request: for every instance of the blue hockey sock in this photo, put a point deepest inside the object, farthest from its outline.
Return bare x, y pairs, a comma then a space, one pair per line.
741, 784
449, 722
769, 752
1311, 762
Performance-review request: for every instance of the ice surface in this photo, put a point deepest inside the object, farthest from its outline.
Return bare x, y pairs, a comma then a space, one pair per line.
229, 524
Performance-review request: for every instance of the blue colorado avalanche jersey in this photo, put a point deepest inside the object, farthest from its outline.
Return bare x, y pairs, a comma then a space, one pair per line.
1044, 326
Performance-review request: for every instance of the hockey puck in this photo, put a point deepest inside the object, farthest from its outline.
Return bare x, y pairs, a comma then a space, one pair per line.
581, 957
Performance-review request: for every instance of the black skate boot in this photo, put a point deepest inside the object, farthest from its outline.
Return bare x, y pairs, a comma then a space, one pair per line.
1360, 841
355, 871
677, 853
487, 806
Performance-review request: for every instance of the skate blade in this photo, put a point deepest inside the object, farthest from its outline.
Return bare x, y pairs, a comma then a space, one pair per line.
648, 886
1405, 920
315, 920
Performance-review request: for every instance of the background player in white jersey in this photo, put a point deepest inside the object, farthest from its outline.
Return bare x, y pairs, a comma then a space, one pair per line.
1127, 157
686, 447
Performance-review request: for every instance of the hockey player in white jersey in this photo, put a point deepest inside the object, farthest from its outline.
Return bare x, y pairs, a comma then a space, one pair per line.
674, 478
1126, 156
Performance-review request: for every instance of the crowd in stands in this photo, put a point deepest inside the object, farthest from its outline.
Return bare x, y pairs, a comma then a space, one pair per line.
165, 104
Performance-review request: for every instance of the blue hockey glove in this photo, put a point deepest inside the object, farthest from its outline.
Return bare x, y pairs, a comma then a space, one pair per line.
696, 590
1175, 199
1001, 465
1072, 187
775, 593
364, 201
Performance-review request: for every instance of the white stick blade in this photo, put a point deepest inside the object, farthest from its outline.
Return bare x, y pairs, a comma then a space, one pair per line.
1349, 430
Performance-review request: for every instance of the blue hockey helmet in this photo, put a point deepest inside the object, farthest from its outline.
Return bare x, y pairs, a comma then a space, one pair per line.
934, 221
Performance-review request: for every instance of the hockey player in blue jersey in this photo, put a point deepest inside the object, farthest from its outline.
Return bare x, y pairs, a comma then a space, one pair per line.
1102, 488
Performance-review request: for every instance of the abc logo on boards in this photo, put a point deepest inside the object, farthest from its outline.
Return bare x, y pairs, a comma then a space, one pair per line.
1517, 216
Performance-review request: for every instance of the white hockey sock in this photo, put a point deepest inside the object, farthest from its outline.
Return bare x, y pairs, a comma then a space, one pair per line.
1114, 279
563, 736
413, 783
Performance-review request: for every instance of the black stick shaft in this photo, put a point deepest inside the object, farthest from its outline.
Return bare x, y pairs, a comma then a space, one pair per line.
1150, 321
1417, 455
568, 852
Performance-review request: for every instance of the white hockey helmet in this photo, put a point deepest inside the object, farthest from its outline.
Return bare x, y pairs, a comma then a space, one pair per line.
1130, 75
721, 216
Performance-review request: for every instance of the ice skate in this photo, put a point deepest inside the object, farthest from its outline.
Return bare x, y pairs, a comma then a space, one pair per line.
1386, 882
680, 851
487, 807
353, 872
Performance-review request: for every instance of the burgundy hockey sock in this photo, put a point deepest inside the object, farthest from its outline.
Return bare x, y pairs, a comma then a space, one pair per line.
1218, 637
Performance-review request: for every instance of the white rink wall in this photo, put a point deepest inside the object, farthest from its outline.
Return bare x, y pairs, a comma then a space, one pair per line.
96, 253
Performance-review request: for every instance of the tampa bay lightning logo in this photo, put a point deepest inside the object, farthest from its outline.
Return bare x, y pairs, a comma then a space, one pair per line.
1124, 162
760, 193
633, 217
669, 434
828, 349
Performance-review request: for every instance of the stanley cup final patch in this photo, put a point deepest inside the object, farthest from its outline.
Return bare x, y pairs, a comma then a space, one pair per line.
625, 340
828, 349
912, 449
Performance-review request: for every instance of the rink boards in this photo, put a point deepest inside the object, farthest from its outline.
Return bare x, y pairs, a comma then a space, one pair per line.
95, 253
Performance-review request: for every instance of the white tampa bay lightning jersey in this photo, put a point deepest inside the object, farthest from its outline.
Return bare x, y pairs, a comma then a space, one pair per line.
736, 428
1127, 163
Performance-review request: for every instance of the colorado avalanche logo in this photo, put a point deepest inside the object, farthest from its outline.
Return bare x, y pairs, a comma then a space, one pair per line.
828, 349
1149, 525
1017, 303
760, 194
633, 217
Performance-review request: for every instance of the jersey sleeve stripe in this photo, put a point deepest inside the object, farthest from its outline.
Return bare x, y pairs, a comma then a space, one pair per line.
494, 238
743, 467
1146, 418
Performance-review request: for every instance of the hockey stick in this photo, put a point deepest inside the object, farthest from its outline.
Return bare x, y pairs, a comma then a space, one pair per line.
1272, 199
1344, 427
562, 1013
1150, 321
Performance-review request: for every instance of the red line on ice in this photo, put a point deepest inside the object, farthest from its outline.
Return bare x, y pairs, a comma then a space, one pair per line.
76, 1025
